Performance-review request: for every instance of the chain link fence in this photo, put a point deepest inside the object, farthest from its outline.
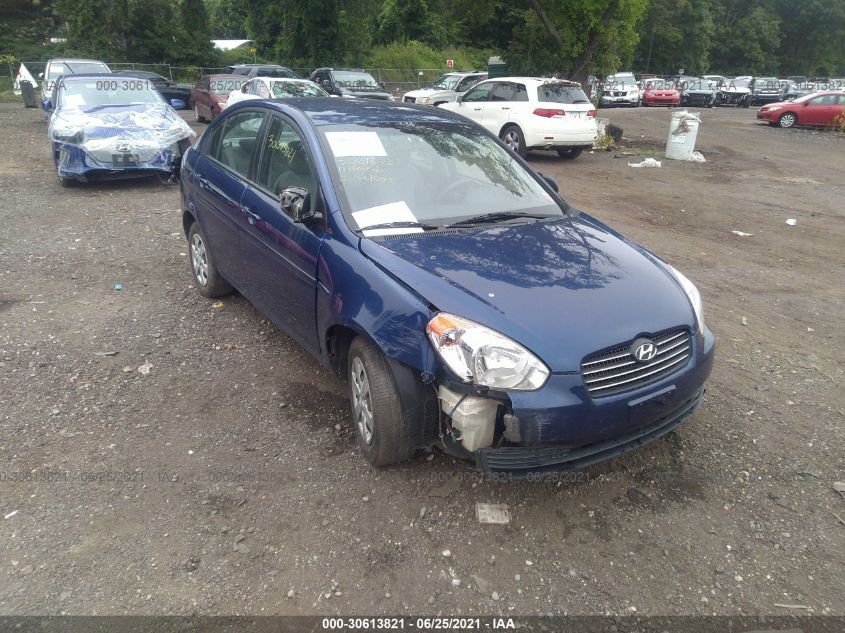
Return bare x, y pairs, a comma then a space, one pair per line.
396, 80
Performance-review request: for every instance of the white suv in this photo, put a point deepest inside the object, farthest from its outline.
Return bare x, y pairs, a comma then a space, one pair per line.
621, 89
532, 113
447, 88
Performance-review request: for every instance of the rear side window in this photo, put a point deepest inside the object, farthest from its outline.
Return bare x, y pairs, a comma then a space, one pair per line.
509, 92
276, 72
237, 142
561, 93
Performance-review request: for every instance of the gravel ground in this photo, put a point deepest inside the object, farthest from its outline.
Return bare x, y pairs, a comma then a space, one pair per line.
162, 454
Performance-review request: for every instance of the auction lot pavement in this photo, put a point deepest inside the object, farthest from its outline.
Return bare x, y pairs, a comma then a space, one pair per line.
226, 480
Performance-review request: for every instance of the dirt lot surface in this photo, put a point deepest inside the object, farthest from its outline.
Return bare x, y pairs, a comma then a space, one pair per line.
226, 479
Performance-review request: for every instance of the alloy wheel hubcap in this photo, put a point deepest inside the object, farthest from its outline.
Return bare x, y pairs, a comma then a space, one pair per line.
512, 140
362, 406
788, 120
199, 260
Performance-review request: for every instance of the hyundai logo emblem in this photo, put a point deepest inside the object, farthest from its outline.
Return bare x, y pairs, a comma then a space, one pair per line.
643, 350
123, 147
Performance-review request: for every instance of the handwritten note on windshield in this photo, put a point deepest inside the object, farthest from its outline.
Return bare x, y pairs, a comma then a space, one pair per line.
355, 144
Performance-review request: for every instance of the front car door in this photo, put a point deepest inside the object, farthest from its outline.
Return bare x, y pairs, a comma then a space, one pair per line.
281, 254
820, 110
499, 108
220, 179
472, 103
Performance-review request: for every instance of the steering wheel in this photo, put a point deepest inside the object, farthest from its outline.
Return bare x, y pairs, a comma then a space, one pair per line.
452, 187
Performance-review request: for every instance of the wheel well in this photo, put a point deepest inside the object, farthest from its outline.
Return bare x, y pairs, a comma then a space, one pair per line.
187, 220
507, 125
338, 340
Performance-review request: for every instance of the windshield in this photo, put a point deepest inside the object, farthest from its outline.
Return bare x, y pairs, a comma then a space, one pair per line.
559, 92
660, 84
355, 79
75, 68
446, 82
766, 83
286, 89
385, 173
106, 91
695, 83
225, 86
620, 81
735, 83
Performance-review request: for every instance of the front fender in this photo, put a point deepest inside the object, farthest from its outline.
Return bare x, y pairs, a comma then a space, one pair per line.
356, 293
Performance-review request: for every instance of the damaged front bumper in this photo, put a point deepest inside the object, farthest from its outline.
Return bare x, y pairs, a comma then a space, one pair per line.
117, 160
560, 427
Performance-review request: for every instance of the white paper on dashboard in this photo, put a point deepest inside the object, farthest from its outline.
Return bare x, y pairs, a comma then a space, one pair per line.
74, 100
355, 144
391, 212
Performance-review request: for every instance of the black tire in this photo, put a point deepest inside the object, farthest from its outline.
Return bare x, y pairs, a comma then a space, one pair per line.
199, 118
512, 136
382, 432
571, 153
206, 278
787, 120
68, 183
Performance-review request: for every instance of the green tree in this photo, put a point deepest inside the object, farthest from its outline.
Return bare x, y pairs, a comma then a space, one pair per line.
676, 34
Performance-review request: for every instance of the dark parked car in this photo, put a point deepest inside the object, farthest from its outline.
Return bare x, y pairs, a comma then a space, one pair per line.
768, 90
167, 88
210, 94
697, 92
262, 70
350, 83
484, 315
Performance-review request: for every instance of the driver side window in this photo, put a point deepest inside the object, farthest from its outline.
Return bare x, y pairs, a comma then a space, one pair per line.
284, 161
479, 93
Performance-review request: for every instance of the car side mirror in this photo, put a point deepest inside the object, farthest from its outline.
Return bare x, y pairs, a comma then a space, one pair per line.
177, 104
47, 105
296, 202
41, 75
549, 181
325, 83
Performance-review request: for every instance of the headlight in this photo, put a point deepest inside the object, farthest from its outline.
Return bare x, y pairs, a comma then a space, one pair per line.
692, 294
425, 100
773, 108
483, 357
68, 135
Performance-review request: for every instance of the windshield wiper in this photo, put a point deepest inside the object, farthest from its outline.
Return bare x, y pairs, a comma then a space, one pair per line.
499, 216
403, 224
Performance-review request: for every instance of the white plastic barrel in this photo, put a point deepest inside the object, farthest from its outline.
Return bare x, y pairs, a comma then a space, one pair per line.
683, 130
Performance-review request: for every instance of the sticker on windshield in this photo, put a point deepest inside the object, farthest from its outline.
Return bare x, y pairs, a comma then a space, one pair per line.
74, 100
355, 144
385, 214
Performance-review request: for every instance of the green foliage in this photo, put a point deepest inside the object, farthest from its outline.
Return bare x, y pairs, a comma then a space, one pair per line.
585, 36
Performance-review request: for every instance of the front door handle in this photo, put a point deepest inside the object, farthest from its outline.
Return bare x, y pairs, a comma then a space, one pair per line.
252, 218
203, 183
477, 109
505, 108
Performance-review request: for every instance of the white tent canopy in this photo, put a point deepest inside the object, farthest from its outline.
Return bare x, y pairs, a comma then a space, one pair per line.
227, 45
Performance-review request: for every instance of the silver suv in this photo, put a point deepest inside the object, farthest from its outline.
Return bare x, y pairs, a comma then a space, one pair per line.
447, 88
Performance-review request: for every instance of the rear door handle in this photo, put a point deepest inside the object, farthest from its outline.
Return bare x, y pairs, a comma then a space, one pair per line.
505, 108
477, 109
203, 183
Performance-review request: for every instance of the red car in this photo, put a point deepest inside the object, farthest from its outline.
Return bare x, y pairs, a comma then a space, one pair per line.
661, 92
211, 92
826, 109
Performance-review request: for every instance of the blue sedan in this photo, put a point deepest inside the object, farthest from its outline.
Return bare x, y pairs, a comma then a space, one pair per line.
468, 305
113, 126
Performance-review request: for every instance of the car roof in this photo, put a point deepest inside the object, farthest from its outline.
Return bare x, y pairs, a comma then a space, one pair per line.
537, 81
324, 111
76, 59
225, 76
256, 66
138, 73
74, 76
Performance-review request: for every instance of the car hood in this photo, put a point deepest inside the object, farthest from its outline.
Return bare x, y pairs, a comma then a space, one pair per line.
367, 93
157, 123
564, 288
735, 90
425, 92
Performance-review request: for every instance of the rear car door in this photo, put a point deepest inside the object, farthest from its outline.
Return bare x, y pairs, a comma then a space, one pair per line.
498, 109
281, 254
220, 178
820, 111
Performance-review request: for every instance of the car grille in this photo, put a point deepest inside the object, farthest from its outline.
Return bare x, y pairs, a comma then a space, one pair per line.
614, 371
410, 100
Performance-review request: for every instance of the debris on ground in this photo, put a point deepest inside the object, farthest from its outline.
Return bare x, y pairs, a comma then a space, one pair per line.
10, 515
217, 304
239, 546
492, 513
117, 287
450, 486
145, 369
839, 486
697, 157
744, 321
742, 233
648, 162
792, 221
107, 353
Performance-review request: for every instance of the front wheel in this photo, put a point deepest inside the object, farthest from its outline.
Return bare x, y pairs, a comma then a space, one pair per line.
382, 432
570, 153
787, 120
208, 281
513, 138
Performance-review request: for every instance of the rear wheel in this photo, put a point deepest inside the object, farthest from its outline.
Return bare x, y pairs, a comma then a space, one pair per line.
573, 152
512, 137
382, 432
787, 120
208, 281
